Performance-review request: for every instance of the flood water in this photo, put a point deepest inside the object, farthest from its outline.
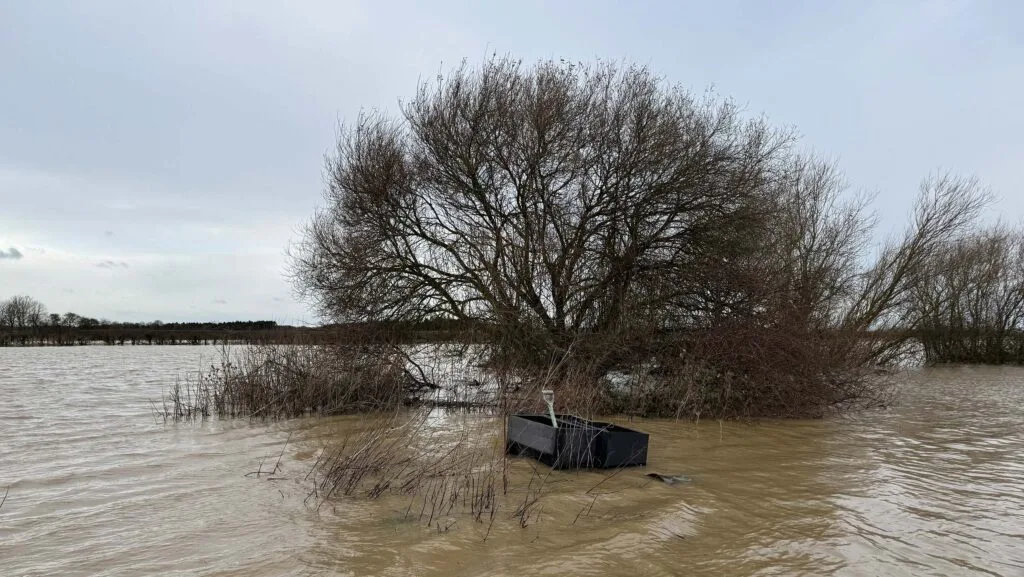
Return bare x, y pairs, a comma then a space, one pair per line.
97, 486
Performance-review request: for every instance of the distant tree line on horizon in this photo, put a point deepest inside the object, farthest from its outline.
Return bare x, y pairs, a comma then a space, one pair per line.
26, 321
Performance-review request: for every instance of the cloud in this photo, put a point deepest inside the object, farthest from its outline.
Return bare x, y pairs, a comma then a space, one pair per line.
220, 302
112, 264
108, 233
278, 300
12, 253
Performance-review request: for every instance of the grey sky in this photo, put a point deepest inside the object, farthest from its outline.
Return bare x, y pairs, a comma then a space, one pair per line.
156, 158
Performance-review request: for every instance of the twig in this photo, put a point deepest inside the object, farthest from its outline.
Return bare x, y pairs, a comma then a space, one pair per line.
258, 471
277, 466
617, 471
587, 509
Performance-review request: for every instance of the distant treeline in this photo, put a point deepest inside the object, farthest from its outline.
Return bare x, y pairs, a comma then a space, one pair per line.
24, 321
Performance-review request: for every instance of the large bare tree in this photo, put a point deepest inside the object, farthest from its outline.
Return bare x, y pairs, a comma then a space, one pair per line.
551, 201
598, 211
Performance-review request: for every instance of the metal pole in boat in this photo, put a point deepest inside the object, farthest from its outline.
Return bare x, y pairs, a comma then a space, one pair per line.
549, 397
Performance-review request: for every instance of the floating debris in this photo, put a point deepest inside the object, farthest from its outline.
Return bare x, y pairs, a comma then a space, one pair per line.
670, 479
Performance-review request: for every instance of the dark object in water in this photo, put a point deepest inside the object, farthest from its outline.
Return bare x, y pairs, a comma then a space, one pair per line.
670, 479
576, 443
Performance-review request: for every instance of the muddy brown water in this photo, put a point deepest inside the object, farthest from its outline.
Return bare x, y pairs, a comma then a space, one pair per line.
934, 486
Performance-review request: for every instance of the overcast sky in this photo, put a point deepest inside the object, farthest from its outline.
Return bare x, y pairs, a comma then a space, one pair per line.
156, 158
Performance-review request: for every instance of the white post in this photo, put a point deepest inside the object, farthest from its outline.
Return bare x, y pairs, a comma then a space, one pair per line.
549, 397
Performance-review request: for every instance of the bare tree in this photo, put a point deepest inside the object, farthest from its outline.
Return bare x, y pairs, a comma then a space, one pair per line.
551, 202
70, 320
20, 312
946, 209
968, 302
815, 252
595, 212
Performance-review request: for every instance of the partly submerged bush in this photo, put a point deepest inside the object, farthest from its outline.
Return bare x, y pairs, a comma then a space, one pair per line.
735, 371
281, 381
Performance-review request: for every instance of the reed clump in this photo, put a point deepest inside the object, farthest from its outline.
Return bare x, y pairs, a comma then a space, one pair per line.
444, 478
275, 381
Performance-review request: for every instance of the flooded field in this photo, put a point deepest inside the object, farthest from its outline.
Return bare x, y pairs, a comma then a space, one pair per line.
98, 486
